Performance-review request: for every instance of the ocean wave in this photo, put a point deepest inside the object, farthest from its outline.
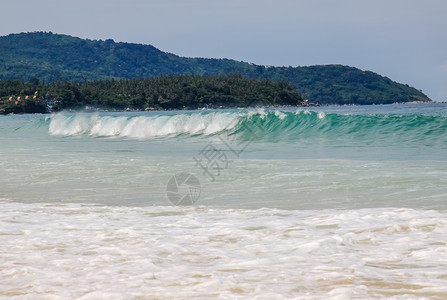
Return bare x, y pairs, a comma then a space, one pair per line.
142, 127
261, 125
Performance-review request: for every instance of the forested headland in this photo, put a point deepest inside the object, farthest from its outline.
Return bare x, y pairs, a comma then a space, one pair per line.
55, 57
159, 93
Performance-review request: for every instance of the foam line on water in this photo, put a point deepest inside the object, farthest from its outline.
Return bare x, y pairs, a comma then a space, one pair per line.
75, 250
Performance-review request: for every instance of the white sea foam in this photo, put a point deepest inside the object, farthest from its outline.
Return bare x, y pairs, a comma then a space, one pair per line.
259, 111
62, 125
142, 127
300, 111
280, 114
89, 252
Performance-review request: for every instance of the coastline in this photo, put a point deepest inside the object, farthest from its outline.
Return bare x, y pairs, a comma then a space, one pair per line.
88, 108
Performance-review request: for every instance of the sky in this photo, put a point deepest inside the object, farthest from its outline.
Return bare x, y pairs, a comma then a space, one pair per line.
405, 40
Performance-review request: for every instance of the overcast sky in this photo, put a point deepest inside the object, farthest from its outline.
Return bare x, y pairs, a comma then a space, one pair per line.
405, 40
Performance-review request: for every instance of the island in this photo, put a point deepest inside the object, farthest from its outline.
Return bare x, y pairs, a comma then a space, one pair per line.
58, 57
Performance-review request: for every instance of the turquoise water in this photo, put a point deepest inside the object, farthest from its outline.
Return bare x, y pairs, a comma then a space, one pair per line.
322, 202
373, 156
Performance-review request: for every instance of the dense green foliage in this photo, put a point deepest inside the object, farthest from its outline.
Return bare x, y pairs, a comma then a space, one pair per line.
335, 84
165, 92
52, 57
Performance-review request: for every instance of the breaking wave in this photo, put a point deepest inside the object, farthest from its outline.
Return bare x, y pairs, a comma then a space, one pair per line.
261, 125
142, 127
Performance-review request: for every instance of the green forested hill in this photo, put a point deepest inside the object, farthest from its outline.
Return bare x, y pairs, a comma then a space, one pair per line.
51, 57
163, 92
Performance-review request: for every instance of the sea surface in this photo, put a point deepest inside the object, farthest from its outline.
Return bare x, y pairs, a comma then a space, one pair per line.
300, 203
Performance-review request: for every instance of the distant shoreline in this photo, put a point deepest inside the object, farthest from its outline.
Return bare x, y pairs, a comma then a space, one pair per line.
97, 109
111, 110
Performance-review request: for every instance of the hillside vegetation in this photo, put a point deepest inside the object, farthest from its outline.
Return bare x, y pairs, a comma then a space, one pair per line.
164, 92
53, 57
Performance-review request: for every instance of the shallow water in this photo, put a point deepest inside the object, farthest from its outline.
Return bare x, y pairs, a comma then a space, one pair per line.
332, 202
